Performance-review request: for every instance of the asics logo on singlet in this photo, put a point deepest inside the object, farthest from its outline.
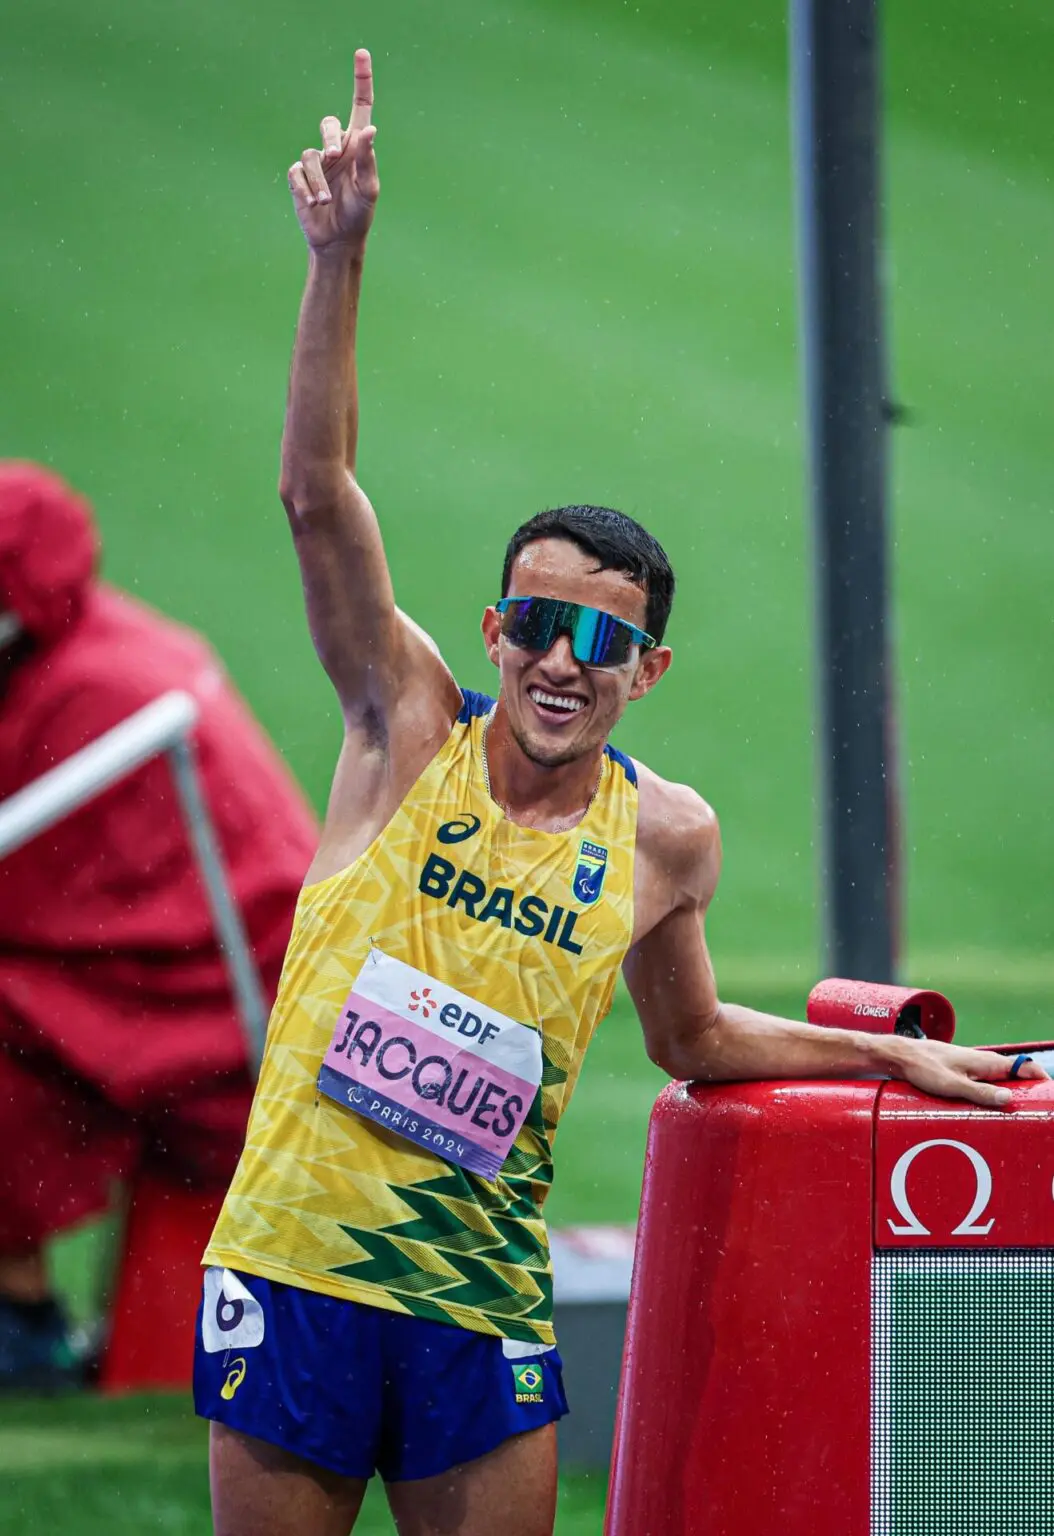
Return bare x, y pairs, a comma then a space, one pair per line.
529, 915
459, 829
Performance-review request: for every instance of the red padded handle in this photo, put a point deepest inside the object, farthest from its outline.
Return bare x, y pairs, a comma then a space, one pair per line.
876, 1007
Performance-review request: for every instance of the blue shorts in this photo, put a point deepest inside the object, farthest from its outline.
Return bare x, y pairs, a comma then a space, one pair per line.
360, 1389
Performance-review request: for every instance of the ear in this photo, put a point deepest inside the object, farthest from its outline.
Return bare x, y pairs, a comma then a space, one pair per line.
491, 627
650, 668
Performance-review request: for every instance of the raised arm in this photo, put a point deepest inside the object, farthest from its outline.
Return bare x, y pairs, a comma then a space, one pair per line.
692, 1034
365, 646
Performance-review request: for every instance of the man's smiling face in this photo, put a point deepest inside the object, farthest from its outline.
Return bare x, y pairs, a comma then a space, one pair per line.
558, 709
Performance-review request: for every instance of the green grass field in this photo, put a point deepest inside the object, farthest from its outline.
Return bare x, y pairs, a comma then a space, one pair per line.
139, 1465
581, 286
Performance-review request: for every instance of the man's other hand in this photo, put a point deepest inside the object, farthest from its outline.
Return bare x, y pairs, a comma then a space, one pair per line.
955, 1072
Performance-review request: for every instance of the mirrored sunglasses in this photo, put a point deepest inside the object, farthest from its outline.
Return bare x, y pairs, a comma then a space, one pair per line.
598, 639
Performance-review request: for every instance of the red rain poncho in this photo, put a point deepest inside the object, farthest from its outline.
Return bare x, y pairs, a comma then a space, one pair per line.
118, 1035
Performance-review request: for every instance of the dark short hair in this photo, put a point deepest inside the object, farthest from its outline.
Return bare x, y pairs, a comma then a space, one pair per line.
615, 541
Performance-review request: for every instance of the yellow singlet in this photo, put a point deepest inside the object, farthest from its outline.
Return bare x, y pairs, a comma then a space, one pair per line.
531, 925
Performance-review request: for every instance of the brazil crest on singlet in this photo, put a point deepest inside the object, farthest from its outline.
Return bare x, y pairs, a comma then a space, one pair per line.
435, 1004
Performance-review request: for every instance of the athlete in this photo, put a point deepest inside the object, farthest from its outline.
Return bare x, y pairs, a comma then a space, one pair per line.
378, 1296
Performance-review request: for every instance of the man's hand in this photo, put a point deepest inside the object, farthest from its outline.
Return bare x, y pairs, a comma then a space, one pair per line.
955, 1072
335, 189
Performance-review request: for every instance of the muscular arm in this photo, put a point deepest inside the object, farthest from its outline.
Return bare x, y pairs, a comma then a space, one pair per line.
347, 587
375, 658
692, 1034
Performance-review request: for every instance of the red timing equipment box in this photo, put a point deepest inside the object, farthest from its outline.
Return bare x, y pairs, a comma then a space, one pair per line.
842, 1315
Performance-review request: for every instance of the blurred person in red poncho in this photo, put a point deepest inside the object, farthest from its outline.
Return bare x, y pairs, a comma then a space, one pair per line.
119, 1039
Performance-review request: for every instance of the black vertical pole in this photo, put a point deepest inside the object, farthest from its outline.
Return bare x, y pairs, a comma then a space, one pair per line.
836, 119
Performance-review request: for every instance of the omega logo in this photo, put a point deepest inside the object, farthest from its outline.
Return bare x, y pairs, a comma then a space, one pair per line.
970, 1226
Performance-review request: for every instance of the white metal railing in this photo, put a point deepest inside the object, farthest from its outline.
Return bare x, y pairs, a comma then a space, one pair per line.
163, 727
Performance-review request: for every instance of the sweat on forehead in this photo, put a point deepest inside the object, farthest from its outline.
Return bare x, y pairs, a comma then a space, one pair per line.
558, 568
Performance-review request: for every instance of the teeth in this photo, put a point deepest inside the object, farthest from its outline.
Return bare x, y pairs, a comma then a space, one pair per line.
554, 701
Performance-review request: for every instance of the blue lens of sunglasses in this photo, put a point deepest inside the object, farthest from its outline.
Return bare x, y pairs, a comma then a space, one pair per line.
598, 639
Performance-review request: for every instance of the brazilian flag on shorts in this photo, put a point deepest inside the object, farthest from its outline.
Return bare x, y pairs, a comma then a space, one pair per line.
528, 1380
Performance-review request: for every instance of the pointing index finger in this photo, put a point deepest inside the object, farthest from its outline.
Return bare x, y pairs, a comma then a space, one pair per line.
362, 106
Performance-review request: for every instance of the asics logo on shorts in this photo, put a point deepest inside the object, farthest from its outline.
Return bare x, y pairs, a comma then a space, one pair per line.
235, 1377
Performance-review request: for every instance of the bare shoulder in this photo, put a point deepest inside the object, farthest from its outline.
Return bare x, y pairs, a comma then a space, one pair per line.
403, 737
428, 699
416, 637
678, 836
669, 814
381, 757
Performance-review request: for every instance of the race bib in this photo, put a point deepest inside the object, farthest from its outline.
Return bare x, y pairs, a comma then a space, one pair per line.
437, 1067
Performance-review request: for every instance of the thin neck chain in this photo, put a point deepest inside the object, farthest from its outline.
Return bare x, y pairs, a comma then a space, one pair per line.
486, 770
